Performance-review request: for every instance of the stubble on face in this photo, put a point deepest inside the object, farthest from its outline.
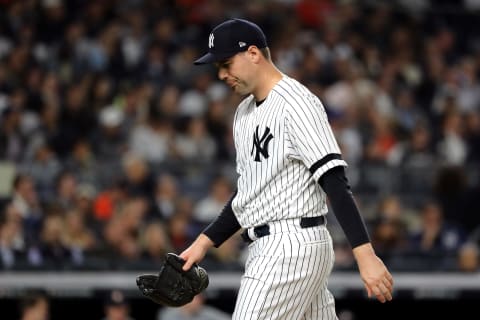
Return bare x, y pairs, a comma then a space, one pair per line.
234, 69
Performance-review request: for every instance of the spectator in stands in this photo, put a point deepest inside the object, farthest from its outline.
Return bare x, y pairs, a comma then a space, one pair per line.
138, 179
49, 114
111, 135
195, 310
26, 202
65, 190
132, 215
468, 259
12, 142
193, 102
381, 140
103, 87
152, 140
452, 148
195, 144
122, 232
109, 200
165, 197
208, 207
12, 242
155, 243
82, 162
52, 249
44, 168
407, 113
416, 151
216, 122
179, 230
167, 102
472, 136
35, 305
154, 66
436, 235
128, 254
458, 200
390, 228
77, 120
112, 234
414, 159
77, 235
84, 198
116, 306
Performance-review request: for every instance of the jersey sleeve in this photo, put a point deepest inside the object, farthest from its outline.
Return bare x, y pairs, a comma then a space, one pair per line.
311, 135
224, 226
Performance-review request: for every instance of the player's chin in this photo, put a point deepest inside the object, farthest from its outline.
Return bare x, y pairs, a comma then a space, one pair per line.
239, 90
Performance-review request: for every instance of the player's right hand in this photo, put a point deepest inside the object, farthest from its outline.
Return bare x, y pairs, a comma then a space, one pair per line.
377, 279
196, 252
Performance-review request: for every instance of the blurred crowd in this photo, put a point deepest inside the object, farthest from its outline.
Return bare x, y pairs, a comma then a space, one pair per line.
115, 149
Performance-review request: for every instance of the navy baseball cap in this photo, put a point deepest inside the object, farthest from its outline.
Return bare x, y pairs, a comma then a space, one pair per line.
231, 37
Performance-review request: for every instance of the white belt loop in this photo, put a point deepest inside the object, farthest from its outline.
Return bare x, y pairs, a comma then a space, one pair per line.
251, 234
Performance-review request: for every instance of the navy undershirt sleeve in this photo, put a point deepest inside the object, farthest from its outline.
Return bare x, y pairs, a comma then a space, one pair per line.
224, 226
335, 184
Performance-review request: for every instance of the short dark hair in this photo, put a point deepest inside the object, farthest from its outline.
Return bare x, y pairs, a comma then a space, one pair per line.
266, 53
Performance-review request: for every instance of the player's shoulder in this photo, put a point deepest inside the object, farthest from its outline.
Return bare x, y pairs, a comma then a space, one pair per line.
296, 95
291, 89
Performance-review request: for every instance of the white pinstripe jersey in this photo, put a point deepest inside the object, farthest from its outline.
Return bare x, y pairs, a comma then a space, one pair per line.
279, 144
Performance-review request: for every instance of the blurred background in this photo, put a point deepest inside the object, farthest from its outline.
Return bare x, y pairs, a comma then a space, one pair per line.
115, 149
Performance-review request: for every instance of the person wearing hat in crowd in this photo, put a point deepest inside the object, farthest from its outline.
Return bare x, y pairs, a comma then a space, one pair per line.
116, 307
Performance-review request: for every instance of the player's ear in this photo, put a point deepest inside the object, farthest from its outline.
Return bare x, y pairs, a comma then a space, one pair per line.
254, 54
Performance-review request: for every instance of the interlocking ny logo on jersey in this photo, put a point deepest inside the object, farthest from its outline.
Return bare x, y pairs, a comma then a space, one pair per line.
260, 145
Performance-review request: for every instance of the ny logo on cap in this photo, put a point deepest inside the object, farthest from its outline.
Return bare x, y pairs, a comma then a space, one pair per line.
210, 40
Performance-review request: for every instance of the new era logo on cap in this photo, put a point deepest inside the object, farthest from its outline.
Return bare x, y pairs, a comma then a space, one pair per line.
231, 37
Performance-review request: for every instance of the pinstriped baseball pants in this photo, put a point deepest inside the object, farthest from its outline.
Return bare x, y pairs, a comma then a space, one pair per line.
286, 275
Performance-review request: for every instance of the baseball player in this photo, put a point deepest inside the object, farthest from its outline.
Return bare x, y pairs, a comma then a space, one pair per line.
288, 162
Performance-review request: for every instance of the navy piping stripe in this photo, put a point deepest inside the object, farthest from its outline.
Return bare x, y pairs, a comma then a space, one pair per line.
324, 160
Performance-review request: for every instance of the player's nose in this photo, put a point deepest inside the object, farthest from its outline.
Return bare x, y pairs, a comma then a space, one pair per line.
222, 74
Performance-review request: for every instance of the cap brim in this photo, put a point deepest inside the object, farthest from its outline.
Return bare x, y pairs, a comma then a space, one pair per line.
211, 58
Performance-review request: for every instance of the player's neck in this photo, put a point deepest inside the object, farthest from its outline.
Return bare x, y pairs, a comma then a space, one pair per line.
267, 79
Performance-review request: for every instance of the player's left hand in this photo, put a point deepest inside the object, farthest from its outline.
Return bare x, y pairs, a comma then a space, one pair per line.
377, 279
